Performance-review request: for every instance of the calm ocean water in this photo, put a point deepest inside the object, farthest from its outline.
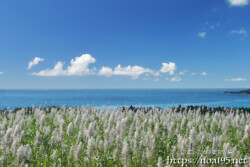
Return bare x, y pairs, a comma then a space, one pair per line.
145, 97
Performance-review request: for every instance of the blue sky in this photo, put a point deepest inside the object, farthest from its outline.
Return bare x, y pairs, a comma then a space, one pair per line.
78, 44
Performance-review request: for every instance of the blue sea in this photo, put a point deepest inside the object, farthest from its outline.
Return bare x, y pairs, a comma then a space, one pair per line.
114, 97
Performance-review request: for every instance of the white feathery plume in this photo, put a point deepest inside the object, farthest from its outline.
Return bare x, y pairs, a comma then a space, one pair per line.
28, 152
174, 151
20, 155
159, 163
61, 134
246, 134
76, 122
42, 120
23, 153
71, 153
62, 123
192, 138
8, 135
14, 146
78, 151
237, 120
125, 153
214, 146
46, 130
226, 148
225, 126
53, 155
247, 131
91, 129
90, 147
157, 130
1, 161
38, 138
54, 137
235, 153
16, 131
203, 140
70, 129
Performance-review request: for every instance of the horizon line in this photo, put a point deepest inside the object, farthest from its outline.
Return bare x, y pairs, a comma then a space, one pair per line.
107, 88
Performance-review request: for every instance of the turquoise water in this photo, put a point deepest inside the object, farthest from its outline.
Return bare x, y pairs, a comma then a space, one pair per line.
145, 97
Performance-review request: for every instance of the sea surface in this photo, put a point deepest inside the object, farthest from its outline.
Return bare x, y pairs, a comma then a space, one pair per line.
114, 97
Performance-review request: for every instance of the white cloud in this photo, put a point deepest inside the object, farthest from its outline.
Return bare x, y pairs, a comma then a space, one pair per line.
242, 32
78, 66
34, 62
1, 72
202, 34
133, 71
183, 72
175, 79
107, 71
56, 71
235, 79
136, 71
156, 73
168, 68
203, 73
193, 73
238, 2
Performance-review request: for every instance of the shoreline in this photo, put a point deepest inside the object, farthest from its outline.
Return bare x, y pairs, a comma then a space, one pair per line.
178, 108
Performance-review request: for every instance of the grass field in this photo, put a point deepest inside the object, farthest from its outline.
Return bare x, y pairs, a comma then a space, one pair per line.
125, 136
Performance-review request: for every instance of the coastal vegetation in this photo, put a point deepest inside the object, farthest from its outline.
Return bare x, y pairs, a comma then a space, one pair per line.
124, 136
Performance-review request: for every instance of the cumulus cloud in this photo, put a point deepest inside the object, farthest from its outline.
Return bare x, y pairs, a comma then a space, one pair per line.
203, 73
1, 72
238, 2
202, 34
168, 68
34, 62
136, 71
235, 79
175, 79
133, 71
107, 71
78, 66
